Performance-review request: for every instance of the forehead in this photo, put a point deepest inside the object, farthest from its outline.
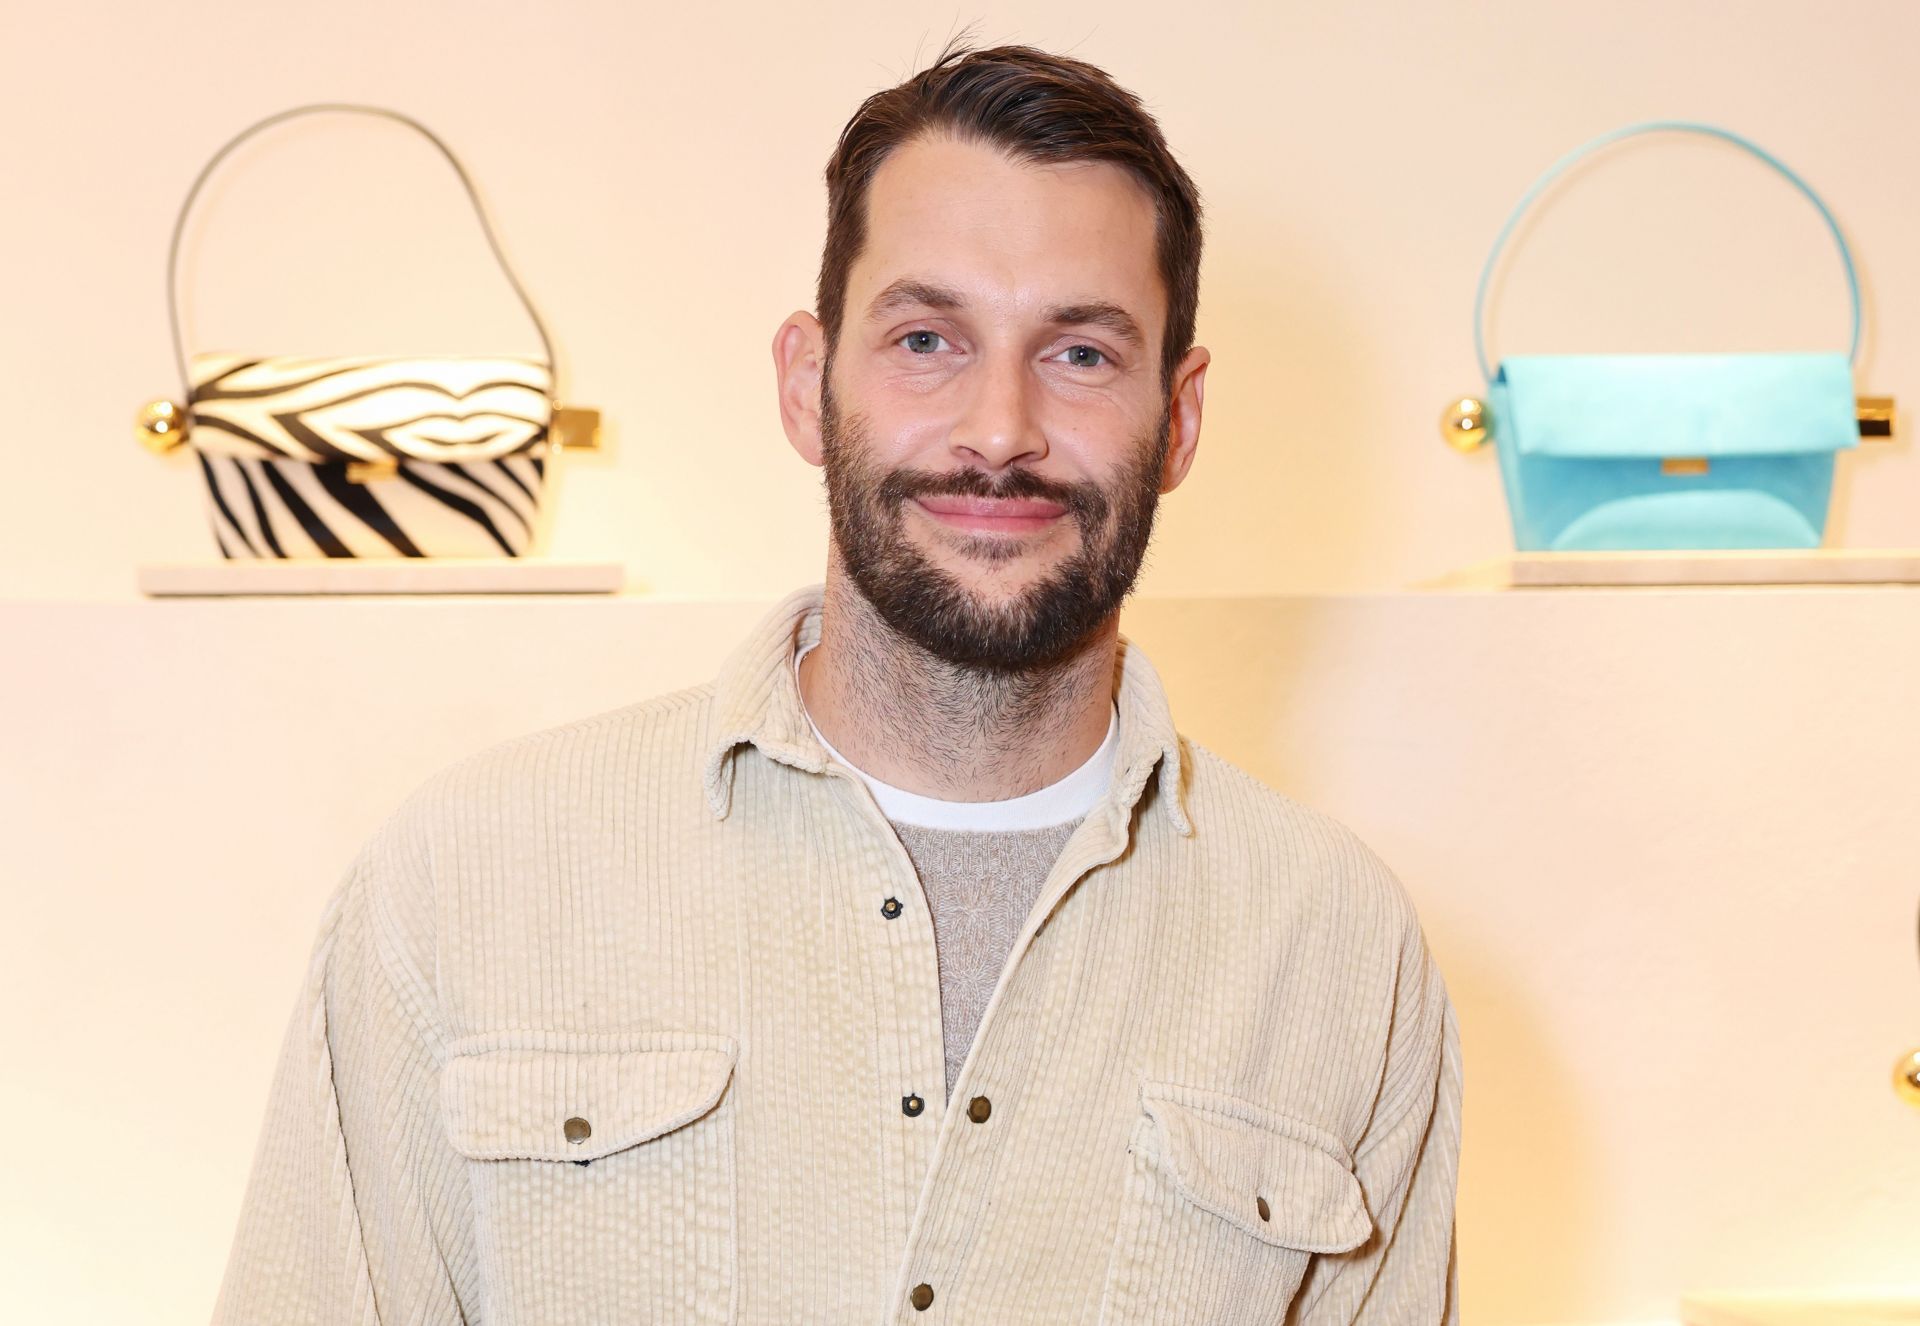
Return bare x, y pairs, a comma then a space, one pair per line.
1014, 236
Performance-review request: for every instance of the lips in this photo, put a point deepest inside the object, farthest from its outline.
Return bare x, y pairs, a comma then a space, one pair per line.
1011, 515
1006, 507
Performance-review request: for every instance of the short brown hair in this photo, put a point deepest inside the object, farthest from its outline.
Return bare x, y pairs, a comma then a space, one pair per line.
1035, 107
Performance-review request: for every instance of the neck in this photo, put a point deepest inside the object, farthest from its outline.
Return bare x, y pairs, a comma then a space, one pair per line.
939, 729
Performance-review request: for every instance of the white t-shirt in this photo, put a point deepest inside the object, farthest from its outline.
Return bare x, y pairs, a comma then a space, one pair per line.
1057, 803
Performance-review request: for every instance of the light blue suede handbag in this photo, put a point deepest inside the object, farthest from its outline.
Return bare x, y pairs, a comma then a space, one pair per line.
1622, 451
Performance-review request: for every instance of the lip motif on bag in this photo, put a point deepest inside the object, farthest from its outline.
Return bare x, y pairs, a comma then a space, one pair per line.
470, 409
420, 420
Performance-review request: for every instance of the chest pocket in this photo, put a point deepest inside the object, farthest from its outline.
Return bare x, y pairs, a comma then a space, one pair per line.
601, 1166
1224, 1205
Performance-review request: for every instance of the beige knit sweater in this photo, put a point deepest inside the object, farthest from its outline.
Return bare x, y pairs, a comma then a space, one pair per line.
607, 1023
979, 886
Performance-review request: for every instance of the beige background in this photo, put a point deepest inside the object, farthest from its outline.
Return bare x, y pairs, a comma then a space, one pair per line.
654, 171
1662, 841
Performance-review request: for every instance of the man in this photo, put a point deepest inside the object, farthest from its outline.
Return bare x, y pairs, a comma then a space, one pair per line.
915, 969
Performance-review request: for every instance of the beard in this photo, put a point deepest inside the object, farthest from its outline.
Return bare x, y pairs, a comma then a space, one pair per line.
1043, 624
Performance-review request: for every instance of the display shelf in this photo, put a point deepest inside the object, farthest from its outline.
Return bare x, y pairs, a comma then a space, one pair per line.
1729, 566
367, 575
1776, 1310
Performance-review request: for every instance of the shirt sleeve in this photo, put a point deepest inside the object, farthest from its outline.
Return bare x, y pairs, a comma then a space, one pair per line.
1406, 1273
355, 1209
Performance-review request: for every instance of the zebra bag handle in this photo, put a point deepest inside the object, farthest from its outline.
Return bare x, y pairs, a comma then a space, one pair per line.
351, 108
367, 455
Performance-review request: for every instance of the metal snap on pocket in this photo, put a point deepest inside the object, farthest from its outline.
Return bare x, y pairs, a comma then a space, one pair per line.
578, 1130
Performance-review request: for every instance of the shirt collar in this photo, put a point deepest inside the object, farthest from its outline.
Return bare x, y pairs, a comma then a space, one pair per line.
757, 703
1067, 798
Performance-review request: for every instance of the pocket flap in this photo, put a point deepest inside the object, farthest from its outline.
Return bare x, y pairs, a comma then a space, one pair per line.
1227, 1155
512, 1095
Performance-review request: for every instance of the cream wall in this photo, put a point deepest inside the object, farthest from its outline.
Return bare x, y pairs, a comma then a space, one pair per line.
655, 173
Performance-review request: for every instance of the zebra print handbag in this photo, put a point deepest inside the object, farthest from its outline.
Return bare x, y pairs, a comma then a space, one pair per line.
358, 456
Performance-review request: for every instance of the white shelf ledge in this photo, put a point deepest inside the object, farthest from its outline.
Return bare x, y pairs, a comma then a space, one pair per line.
395, 575
1743, 566
1718, 1310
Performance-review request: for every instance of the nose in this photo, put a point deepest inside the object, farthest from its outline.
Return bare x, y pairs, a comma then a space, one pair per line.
996, 426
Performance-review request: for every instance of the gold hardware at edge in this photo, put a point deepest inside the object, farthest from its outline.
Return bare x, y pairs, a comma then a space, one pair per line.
1463, 424
1684, 465
366, 471
576, 428
1906, 1079
1875, 414
161, 427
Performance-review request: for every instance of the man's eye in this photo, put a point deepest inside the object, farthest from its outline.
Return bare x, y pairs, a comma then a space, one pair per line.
923, 342
1084, 356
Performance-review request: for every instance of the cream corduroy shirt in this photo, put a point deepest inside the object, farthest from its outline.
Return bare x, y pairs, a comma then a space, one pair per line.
606, 1023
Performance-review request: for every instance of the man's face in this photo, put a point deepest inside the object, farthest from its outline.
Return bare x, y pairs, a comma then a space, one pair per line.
993, 423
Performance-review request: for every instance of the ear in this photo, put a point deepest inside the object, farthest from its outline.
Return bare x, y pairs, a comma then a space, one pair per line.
798, 354
1183, 436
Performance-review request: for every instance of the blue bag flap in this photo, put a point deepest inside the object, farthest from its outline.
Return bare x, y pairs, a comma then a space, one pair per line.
1651, 406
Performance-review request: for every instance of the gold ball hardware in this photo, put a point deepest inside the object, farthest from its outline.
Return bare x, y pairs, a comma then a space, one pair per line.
1464, 423
1906, 1079
161, 426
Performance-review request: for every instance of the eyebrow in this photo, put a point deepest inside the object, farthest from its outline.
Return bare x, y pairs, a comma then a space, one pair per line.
1098, 314
910, 291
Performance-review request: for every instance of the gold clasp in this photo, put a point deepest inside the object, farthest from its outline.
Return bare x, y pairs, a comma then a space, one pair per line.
1464, 423
1875, 414
1906, 1079
575, 428
366, 471
161, 426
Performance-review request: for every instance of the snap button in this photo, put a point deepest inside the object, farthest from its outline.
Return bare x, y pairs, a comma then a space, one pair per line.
922, 1297
890, 908
1261, 1202
912, 1105
979, 1108
578, 1130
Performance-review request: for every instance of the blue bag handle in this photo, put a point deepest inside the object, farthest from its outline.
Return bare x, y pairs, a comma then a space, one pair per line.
1656, 126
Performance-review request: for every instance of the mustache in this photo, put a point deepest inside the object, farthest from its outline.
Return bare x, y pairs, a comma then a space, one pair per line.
1085, 501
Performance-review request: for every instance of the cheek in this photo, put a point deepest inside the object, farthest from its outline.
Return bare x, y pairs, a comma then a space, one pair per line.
901, 419
1105, 447
903, 437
